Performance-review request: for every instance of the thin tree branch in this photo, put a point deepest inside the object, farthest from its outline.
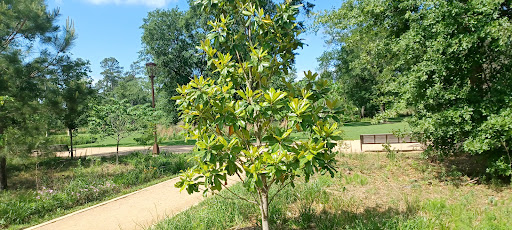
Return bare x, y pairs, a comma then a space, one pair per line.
241, 63
240, 177
272, 182
506, 149
13, 34
284, 186
239, 197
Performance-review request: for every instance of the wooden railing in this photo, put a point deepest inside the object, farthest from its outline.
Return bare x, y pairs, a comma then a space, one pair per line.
385, 138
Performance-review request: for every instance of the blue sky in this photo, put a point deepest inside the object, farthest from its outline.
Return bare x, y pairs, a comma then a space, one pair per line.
111, 28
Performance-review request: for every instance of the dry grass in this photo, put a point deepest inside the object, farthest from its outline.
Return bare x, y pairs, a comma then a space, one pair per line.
395, 183
171, 132
370, 191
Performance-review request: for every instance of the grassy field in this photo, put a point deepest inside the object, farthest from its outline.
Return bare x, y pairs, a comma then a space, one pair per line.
354, 129
45, 188
370, 191
351, 132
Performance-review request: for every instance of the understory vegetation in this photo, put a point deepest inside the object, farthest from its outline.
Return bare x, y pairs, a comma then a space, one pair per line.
48, 187
370, 191
77, 140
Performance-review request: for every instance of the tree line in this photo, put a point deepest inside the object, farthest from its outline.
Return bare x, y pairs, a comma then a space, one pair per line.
444, 63
447, 63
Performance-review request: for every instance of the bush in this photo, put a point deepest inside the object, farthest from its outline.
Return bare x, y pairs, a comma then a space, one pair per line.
148, 167
494, 139
77, 140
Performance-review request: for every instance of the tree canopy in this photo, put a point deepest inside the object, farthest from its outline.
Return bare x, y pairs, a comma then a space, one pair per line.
448, 61
23, 24
170, 39
69, 93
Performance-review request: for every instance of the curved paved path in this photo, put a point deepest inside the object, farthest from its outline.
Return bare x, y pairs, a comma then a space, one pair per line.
108, 151
137, 210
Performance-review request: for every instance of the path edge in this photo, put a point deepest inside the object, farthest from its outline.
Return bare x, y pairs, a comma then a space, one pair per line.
95, 206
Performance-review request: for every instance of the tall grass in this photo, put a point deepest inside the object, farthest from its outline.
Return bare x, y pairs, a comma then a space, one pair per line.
80, 139
370, 191
63, 184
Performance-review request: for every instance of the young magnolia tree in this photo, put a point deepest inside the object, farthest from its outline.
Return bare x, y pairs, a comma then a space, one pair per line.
241, 124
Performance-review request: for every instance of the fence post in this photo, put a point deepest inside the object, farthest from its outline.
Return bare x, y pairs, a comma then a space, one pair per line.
361, 142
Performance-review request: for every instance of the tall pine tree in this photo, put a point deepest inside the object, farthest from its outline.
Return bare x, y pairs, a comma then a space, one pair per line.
25, 24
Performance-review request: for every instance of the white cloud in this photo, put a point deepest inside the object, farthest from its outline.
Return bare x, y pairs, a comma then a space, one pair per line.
58, 2
151, 3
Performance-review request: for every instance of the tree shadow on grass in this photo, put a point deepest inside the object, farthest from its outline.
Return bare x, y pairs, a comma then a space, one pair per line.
464, 169
357, 124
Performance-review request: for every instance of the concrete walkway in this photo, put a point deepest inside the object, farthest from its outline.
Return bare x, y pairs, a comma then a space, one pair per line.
355, 147
138, 210
109, 151
349, 146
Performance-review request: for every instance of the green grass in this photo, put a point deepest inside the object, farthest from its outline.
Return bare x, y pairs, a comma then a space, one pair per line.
352, 130
370, 191
42, 189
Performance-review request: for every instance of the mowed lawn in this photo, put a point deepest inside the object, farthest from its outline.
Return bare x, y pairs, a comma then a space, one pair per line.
354, 129
351, 131
369, 191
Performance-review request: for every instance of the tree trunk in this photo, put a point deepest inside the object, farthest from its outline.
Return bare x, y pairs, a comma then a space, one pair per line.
382, 108
117, 151
3, 173
362, 112
71, 142
3, 168
264, 209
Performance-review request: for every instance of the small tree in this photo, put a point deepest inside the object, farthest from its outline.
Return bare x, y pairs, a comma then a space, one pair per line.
116, 119
70, 93
241, 124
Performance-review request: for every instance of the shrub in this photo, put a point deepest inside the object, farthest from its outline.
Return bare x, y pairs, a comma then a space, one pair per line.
77, 140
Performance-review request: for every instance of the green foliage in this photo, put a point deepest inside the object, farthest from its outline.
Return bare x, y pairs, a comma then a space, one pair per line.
77, 140
360, 56
448, 61
118, 119
70, 93
170, 38
242, 125
133, 89
25, 24
112, 73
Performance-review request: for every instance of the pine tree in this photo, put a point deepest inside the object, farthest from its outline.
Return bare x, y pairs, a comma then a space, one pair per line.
23, 24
